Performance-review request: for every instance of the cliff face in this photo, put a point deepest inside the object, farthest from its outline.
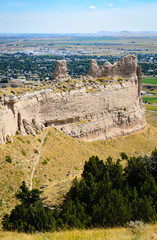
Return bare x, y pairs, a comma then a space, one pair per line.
112, 110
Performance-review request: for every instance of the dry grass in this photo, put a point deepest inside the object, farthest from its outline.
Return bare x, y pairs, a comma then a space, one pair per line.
151, 117
148, 232
12, 174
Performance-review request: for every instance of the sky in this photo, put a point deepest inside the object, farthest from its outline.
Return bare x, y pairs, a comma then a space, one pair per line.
77, 16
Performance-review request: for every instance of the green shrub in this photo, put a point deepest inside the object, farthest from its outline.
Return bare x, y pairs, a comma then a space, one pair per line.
23, 152
35, 151
49, 134
8, 159
20, 139
47, 159
44, 162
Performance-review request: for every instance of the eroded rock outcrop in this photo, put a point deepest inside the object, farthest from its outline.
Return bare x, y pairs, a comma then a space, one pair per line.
125, 68
110, 110
94, 70
60, 74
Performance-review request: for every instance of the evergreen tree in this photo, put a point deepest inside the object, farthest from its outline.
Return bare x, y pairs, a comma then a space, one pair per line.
30, 215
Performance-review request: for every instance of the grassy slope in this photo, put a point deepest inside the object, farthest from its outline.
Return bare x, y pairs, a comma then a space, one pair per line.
63, 154
147, 232
12, 174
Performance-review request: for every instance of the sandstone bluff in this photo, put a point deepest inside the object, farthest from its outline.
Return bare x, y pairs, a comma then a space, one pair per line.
111, 107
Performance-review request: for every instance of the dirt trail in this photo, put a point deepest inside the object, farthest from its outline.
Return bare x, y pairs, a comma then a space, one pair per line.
42, 142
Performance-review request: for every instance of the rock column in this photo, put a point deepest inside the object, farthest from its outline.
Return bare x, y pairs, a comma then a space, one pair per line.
60, 73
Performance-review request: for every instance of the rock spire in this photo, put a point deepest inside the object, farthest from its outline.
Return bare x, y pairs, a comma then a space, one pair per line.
60, 74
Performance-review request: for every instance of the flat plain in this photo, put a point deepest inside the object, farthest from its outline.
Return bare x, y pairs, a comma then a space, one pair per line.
81, 45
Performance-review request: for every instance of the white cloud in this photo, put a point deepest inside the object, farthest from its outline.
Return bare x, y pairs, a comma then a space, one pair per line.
92, 7
111, 4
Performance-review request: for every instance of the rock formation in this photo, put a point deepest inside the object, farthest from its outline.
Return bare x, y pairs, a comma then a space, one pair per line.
125, 68
112, 110
60, 73
94, 70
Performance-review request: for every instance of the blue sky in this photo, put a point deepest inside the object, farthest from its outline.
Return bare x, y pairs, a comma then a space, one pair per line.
77, 16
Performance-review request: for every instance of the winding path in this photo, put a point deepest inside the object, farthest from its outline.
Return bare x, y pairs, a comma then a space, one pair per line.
31, 183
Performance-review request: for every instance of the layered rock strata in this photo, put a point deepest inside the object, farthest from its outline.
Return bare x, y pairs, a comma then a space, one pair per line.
112, 110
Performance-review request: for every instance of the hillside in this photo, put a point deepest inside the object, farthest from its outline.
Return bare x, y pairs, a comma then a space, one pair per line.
61, 155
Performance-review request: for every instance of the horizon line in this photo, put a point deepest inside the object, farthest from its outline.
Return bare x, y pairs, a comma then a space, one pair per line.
99, 32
